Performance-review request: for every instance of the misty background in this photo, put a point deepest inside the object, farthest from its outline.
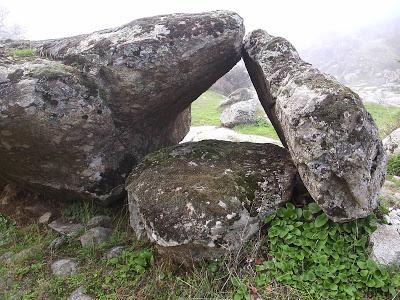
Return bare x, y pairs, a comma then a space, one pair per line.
358, 42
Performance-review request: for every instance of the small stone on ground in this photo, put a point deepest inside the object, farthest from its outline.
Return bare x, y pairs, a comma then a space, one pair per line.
65, 228
95, 236
100, 221
45, 218
385, 245
79, 294
64, 267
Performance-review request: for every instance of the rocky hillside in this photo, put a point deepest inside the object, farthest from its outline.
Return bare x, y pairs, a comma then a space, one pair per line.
367, 60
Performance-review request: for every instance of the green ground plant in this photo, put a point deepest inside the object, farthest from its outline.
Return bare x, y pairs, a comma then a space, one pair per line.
323, 259
393, 165
24, 52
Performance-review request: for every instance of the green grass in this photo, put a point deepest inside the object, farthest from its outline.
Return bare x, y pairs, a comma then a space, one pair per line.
386, 117
138, 273
24, 52
205, 109
205, 112
265, 130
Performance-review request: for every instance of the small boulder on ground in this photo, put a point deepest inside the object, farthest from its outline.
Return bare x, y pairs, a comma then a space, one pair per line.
331, 138
202, 200
79, 294
100, 221
66, 228
64, 267
114, 252
243, 112
95, 236
385, 245
45, 218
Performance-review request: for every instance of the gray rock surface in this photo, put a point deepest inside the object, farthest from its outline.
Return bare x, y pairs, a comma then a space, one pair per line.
202, 200
102, 221
242, 94
66, 228
114, 252
95, 236
5, 258
390, 193
9, 193
45, 218
79, 294
385, 245
243, 112
393, 217
57, 243
391, 143
332, 139
64, 267
78, 115
26, 254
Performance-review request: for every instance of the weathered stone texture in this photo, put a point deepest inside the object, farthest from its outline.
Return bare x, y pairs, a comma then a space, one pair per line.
201, 200
78, 114
332, 139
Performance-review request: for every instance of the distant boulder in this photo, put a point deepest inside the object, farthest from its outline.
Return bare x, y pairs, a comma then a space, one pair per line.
201, 200
240, 107
243, 112
332, 139
76, 114
235, 79
242, 94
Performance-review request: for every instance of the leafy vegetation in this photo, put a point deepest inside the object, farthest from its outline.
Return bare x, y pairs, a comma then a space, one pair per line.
393, 165
24, 52
303, 256
323, 259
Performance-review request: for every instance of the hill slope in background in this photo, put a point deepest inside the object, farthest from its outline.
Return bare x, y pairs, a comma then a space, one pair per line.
367, 60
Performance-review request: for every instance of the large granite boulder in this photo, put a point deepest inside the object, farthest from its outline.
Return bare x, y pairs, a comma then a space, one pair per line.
78, 113
202, 200
332, 139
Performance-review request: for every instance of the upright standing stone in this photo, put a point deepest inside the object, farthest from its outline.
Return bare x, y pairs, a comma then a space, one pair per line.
332, 139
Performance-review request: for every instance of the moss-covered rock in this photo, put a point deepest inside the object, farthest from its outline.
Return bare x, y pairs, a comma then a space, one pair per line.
200, 200
331, 138
76, 114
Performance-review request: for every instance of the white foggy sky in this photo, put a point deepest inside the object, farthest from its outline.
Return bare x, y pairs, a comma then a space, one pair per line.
299, 21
